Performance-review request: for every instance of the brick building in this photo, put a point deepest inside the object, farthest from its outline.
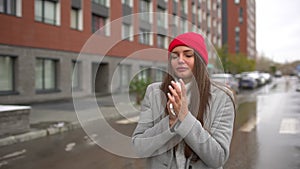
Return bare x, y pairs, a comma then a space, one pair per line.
239, 30
41, 41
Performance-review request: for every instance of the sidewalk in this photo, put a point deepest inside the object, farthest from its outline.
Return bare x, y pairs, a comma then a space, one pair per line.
60, 116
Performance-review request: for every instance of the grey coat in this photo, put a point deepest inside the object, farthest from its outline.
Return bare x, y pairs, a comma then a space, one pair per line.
154, 140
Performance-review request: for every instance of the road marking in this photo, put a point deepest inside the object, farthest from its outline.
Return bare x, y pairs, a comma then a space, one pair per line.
90, 140
14, 154
289, 126
70, 146
250, 125
130, 120
3, 163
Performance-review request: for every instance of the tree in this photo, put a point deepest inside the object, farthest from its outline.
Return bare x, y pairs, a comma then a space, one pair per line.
235, 63
265, 64
223, 54
139, 86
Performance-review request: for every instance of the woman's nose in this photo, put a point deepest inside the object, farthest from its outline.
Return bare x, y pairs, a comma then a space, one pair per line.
180, 59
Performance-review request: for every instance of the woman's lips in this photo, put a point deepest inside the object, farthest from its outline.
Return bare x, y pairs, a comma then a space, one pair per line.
181, 69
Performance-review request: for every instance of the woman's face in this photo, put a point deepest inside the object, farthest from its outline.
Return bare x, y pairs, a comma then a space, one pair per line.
182, 62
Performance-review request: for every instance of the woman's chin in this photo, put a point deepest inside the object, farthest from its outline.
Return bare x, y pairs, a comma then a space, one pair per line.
183, 76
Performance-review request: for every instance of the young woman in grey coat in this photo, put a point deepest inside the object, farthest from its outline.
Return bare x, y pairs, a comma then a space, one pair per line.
186, 121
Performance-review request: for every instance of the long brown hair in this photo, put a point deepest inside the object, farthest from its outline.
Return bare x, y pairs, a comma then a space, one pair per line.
200, 89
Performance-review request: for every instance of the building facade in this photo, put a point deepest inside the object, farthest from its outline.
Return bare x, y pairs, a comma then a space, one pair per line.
44, 53
239, 27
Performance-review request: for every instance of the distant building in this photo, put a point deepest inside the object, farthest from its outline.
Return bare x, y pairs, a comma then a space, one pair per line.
41, 40
239, 26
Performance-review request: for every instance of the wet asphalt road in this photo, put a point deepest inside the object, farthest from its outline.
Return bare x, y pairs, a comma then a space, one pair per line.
266, 135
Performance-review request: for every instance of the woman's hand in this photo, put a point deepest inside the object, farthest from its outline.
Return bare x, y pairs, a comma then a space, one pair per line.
178, 99
172, 116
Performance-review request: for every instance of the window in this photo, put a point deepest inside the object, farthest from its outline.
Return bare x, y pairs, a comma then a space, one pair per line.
145, 37
184, 26
160, 73
6, 74
125, 71
161, 17
199, 16
145, 73
127, 32
208, 4
98, 22
184, 7
145, 7
241, 15
208, 22
194, 28
174, 26
100, 2
45, 74
47, 12
237, 31
161, 41
237, 39
219, 12
76, 78
128, 2
8, 7
75, 18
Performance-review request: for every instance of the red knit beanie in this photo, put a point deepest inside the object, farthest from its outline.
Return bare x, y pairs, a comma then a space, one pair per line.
192, 40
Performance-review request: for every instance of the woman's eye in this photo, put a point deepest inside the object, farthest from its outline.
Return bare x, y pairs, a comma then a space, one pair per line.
189, 55
174, 56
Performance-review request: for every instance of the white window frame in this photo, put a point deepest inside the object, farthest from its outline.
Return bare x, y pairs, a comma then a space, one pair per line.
17, 7
57, 12
149, 11
130, 34
164, 41
129, 4
80, 19
236, 1
44, 77
7, 85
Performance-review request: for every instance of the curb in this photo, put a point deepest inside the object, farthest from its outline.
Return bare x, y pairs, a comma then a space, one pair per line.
35, 134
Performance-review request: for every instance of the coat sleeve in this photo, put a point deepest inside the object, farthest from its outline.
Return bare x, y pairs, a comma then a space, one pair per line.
212, 146
152, 132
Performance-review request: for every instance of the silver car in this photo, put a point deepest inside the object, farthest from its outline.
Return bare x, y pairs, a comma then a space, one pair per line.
228, 80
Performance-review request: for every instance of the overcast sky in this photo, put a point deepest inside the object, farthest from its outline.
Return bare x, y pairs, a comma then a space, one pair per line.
278, 29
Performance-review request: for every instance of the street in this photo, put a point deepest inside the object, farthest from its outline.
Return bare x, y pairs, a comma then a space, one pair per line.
266, 135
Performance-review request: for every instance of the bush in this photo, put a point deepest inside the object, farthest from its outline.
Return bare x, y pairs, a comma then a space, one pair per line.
138, 87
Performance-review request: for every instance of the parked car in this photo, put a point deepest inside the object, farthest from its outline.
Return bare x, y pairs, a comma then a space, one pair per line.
248, 82
267, 77
278, 73
228, 80
298, 88
259, 79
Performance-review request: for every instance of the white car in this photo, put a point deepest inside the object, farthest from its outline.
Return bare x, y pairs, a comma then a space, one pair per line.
226, 79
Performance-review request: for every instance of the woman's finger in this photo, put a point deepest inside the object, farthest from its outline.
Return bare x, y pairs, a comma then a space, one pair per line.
174, 93
171, 98
177, 87
183, 88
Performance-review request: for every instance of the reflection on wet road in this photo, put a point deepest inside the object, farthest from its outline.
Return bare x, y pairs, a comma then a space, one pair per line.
266, 135
267, 130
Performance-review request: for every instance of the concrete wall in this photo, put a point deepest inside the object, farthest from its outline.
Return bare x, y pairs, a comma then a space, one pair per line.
24, 77
14, 119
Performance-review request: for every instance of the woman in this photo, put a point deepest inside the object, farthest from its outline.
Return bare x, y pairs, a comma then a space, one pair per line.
187, 124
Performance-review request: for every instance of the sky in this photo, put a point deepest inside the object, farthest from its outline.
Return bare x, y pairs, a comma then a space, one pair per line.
278, 29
